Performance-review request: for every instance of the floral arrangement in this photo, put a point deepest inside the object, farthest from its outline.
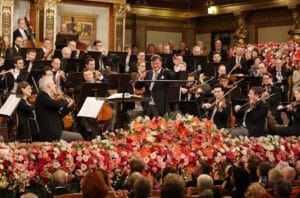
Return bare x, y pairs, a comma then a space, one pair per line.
159, 142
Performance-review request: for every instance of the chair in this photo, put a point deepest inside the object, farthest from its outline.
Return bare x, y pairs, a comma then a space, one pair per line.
32, 128
155, 193
70, 195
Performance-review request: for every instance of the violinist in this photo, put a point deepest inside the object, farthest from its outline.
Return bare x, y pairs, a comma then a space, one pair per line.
25, 110
274, 100
293, 110
221, 71
30, 58
218, 108
21, 31
253, 115
51, 107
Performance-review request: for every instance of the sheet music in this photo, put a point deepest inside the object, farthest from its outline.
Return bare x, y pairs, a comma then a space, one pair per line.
120, 96
91, 107
10, 105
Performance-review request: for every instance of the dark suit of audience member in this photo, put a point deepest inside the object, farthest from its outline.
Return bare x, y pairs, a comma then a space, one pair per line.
25, 111
49, 116
243, 69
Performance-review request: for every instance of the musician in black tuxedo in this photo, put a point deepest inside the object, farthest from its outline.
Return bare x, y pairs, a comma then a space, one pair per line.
293, 110
15, 50
280, 77
15, 75
254, 115
50, 109
238, 64
20, 31
218, 108
158, 91
218, 48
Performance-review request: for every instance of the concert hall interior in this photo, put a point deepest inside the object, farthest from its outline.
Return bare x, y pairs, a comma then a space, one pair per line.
150, 98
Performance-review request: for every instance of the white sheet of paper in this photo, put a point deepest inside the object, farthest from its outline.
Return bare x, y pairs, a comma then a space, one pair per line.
10, 105
91, 107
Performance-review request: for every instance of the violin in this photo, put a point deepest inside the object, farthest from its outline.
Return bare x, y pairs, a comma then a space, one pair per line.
289, 107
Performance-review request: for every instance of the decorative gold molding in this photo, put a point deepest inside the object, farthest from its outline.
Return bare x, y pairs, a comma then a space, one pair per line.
109, 1
201, 12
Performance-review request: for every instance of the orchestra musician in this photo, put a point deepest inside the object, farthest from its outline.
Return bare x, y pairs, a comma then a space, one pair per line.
66, 53
25, 110
218, 48
21, 31
73, 46
51, 107
254, 115
14, 51
218, 108
30, 58
275, 98
15, 75
221, 71
47, 49
293, 109
90, 65
238, 64
59, 75
158, 105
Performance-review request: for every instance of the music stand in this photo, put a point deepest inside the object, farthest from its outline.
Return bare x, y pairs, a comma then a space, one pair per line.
167, 60
195, 62
57, 54
117, 81
39, 53
92, 54
210, 69
73, 79
94, 90
62, 39
117, 61
75, 65
40, 64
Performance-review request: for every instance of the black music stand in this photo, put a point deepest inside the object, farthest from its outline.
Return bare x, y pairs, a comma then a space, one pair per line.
117, 61
62, 39
195, 62
40, 64
94, 90
75, 65
211, 69
39, 53
74, 79
117, 81
167, 61
92, 54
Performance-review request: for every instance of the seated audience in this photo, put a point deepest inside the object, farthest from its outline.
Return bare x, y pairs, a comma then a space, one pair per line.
205, 182
142, 188
262, 173
254, 190
173, 186
93, 185
282, 188
59, 181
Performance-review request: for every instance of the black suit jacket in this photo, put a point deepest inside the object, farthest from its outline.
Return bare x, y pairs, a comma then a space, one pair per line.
49, 116
159, 91
244, 66
17, 33
12, 52
255, 119
25, 111
9, 79
221, 117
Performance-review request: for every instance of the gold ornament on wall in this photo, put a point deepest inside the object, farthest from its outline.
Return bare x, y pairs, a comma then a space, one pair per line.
240, 33
294, 30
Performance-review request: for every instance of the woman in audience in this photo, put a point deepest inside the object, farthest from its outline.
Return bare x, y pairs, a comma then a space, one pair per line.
254, 190
93, 185
251, 167
227, 185
173, 186
262, 173
142, 188
25, 109
240, 181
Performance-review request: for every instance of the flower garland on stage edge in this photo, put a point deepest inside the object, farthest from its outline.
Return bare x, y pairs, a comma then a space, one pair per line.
159, 142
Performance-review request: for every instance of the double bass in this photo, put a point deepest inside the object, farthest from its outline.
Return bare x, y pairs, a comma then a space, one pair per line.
32, 43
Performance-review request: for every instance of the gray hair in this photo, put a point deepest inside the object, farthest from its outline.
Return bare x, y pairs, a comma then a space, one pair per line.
29, 195
205, 182
45, 81
66, 49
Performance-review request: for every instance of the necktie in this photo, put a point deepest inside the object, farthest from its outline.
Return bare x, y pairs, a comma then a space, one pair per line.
154, 77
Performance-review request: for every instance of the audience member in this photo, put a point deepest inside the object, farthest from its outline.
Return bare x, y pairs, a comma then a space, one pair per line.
59, 181
142, 188
254, 190
282, 188
173, 186
205, 182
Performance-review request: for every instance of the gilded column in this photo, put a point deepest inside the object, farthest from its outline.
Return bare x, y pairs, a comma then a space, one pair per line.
294, 30
7, 7
120, 22
240, 33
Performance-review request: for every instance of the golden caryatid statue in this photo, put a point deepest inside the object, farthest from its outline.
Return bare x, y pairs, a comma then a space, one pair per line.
241, 32
294, 30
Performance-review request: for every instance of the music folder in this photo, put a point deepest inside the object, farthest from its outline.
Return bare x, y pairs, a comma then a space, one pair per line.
10, 105
91, 107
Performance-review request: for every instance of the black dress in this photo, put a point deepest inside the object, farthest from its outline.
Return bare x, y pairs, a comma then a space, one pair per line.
25, 111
